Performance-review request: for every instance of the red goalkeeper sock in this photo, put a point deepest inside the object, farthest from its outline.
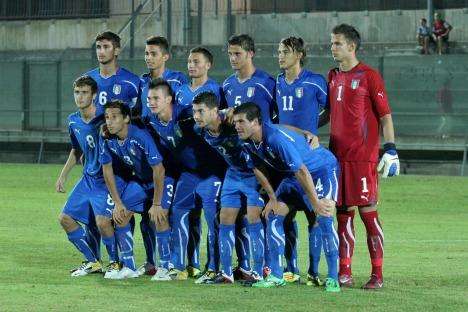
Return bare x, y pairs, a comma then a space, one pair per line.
375, 240
346, 236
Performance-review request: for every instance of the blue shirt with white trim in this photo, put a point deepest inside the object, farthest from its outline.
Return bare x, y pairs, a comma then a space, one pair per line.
186, 94
300, 102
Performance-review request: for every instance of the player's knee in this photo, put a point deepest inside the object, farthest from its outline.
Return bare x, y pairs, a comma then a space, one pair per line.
364, 209
162, 226
283, 209
228, 216
253, 214
104, 225
66, 222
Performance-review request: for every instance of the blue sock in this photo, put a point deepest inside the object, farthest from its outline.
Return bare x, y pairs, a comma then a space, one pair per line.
79, 239
290, 249
315, 249
149, 241
277, 241
125, 242
330, 244
179, 237
193, 247
257, 241
111, 247
209, 210
164, 247
267, 255
243, 243
94, 238
226, 245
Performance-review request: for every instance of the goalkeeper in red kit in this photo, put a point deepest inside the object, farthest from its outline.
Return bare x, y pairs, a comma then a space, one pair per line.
358, 109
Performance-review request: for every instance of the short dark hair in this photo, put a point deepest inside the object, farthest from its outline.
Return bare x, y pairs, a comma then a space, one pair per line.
124, 109
244, 41
157, 83
297, 45
109, 35
206, 53
86, 81
159, 41
207, 98
424, 20
349, 32
251, 111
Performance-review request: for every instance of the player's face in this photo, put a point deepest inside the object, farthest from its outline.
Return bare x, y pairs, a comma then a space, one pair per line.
83, 96
154, 57
106, 52
158, 100
244, 127
340, 47
287, 58
238, 57
203, 115
197, 65
115, 121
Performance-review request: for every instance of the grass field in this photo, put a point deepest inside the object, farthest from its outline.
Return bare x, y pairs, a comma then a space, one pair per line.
425, 219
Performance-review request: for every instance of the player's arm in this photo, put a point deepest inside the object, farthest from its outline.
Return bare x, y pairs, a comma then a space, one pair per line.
307, 184
156, 212
272, 204
312, 139
69, 164
324, 116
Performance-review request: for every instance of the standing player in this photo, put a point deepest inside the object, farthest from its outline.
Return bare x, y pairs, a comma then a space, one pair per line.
359, 109
113, 81
156, 56
90, 189
200, 179
247, 84
300, 96
310, 182
136, 148
240, 187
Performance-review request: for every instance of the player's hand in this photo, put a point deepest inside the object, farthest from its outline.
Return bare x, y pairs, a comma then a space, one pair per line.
229, 115
271, 207
120, 213
157, 214
59, 185
105, 132
325, 207
389, 161
313, 140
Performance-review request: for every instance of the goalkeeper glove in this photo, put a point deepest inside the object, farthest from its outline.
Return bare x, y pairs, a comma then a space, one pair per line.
389, 161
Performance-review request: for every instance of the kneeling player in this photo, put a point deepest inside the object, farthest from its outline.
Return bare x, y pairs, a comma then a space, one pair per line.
288, 152
136, 148
240, 187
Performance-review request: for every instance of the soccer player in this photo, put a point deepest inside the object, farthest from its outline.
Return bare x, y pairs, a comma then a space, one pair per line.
358, 110
240, 187
199, 183
300, 95
90, 190
156, 56
247, 84
113, 81
136, 148
310, 182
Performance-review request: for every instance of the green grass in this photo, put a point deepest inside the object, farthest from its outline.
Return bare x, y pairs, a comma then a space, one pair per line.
426, 257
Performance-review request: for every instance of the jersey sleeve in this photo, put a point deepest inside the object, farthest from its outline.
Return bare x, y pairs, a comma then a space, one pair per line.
73, 140
151, 151
331, 75
322, 92
104, 153
283, 146
378, 94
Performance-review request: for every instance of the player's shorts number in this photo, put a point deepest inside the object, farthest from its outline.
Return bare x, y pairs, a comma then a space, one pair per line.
364, 185
217, 184
170, 190
110, 201
319, 186
102, 97
287, 103
90, 141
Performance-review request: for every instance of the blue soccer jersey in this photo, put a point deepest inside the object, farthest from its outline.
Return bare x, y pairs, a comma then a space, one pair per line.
124, 85
186, 94
286, 151
260, 89
186, 146
299, 103
175, 79
138, 151
84, 137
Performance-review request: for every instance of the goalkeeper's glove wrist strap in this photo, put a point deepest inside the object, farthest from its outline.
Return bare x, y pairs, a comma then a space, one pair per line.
389, 146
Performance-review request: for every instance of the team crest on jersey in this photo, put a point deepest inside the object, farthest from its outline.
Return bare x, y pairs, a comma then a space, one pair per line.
354, 84
250, 91
117, 89
299, 92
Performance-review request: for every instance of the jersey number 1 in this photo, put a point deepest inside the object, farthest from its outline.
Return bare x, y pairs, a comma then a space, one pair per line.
340, 93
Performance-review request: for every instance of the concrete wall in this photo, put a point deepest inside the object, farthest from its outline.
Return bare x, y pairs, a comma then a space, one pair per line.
375, 26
